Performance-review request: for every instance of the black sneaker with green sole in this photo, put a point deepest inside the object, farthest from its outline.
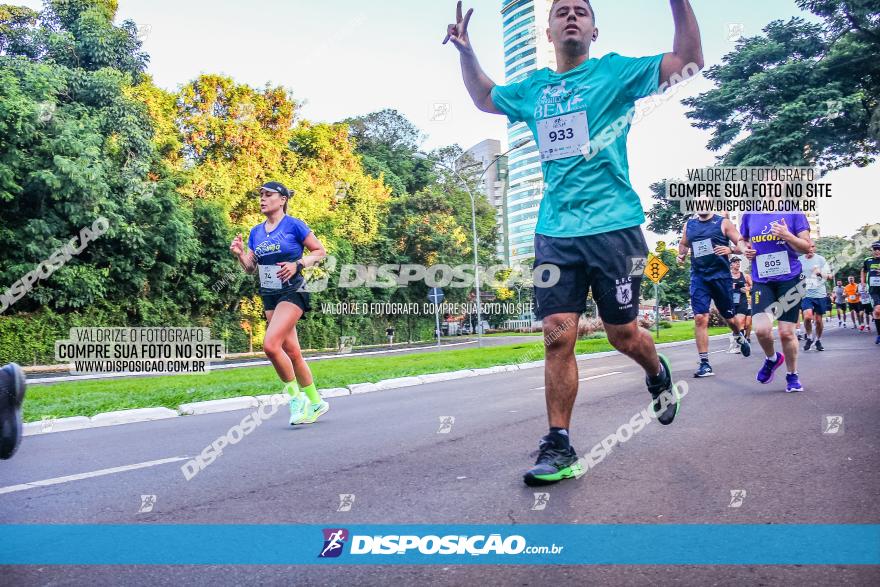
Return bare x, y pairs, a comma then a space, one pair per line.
666, 400
555, 463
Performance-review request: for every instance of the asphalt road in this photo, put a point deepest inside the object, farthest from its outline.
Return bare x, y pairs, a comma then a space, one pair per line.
732, 434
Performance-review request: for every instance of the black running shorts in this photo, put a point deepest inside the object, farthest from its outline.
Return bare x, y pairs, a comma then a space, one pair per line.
297, 298
767, 294
602, 264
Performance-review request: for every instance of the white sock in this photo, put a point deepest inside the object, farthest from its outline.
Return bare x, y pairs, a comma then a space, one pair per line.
773, 358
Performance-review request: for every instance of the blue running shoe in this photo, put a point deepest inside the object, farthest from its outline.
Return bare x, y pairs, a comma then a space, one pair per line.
704, 370
793, 384
768, 370
744, 346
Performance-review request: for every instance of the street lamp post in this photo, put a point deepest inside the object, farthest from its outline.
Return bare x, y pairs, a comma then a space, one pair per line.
455, 171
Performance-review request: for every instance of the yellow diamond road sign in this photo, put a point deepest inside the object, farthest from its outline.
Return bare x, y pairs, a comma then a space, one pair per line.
656, 270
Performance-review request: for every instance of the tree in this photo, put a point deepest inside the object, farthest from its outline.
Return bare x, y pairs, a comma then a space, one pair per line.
801, 93
665, 216
448, 158
16, 28
831, 246
234, 139
80, 34
77, 147
390, 138
675, 287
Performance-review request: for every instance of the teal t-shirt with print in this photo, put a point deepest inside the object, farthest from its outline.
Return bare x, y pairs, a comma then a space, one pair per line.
587, 187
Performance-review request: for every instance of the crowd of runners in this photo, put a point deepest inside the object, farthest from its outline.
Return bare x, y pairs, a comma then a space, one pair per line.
784, 266
589, 227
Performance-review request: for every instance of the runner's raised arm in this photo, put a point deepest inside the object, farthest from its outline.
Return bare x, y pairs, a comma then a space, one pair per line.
687, 47
478, 84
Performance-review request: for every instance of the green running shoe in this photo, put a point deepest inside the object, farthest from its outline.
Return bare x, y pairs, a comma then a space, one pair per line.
555, 463
298, 404
315, 411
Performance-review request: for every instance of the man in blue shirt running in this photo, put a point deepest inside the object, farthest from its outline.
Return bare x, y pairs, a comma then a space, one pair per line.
590, 216
708, 236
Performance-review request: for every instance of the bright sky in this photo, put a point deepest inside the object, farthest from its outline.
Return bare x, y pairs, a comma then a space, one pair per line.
343, 58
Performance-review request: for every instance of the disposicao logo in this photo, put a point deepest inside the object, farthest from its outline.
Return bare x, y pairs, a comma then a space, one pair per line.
334, 540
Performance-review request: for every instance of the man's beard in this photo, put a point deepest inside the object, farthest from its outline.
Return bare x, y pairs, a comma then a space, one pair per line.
574, 47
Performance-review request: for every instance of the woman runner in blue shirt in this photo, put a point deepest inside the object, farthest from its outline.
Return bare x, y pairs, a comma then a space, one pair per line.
275, 250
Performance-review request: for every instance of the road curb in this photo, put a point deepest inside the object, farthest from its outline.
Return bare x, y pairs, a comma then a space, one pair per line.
131, 416
359, 388
247, 402
218, 405
49, 425
275, 399
398, 383
334, 392
447, 376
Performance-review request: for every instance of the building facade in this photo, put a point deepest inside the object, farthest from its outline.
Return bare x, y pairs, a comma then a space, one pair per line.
494, 186
526, 49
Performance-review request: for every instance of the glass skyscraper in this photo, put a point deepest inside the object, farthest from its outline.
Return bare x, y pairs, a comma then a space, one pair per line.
526, 49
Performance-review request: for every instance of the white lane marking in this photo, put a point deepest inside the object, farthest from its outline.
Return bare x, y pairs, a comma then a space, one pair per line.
588, 378
80, 476
234, 365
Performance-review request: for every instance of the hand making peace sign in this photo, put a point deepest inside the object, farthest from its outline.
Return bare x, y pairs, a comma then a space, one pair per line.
458, 33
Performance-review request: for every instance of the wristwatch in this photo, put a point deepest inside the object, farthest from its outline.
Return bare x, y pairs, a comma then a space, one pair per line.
299, 267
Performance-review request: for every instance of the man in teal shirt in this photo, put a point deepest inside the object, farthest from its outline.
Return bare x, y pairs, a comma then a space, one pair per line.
589, 224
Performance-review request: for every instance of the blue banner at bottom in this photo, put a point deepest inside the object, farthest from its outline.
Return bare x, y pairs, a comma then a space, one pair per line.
625, 544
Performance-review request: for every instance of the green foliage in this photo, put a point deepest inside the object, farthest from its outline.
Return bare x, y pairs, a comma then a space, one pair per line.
800, 94
84, 134
77, 148
715, 319
830, 246
16, 28
390, 138
676, 286
665, 216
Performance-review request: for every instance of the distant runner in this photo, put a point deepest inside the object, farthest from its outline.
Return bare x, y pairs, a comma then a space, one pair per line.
816, 272
708, 237
775, 243
867, 310
871, 276
853, 300
840, 303
742, 293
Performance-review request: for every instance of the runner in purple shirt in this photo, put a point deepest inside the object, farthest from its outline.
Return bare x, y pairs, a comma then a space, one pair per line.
775, 243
